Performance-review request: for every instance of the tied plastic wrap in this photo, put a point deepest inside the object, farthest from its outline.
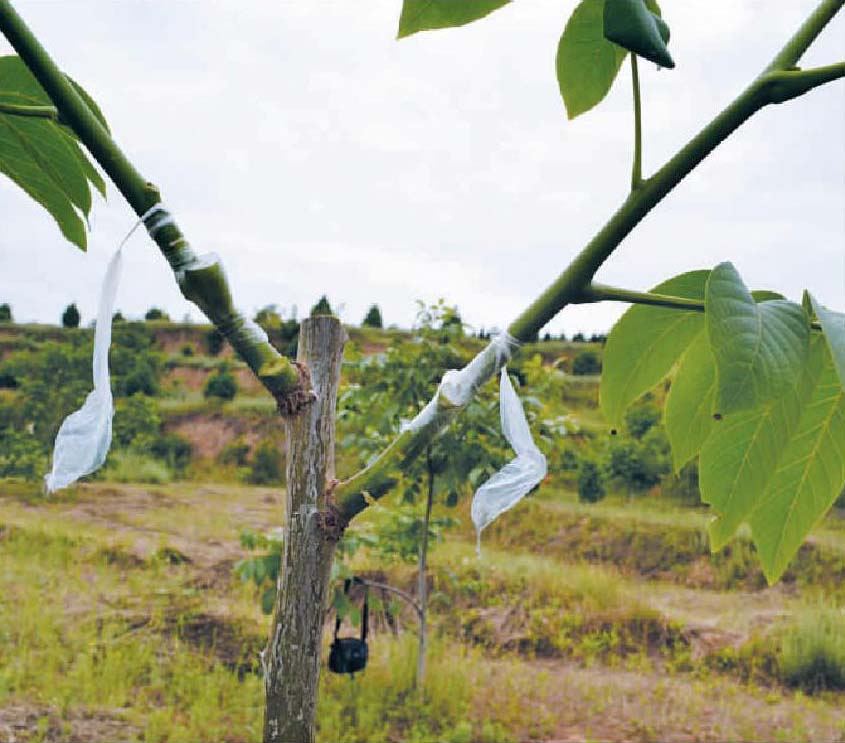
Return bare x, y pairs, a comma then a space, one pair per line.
511, 483
84, 437
459, 385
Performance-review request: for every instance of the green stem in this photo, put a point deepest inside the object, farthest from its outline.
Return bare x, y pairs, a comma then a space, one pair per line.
637, 173
39, 112
573, 284
204, 287
603, 293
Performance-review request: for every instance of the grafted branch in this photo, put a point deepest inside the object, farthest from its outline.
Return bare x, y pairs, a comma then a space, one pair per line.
573, 285
199, 282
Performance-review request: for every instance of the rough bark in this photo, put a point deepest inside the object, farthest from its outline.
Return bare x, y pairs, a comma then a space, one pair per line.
292, 658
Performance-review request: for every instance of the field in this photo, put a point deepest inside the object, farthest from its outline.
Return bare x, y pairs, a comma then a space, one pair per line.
123, 617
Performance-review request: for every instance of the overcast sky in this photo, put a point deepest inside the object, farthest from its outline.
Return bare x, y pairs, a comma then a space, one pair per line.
317, 154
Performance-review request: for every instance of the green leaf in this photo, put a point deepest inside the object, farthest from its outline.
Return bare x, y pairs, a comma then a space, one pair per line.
646, 343
759, 348
268, 599
810, 473
631, 25
17, 162
90, 102
833, 327
424, 15
688, 414
587, 63
742, 453
42, 156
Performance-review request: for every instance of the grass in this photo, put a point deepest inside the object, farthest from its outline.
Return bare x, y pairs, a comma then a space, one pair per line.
120, 609
812, 652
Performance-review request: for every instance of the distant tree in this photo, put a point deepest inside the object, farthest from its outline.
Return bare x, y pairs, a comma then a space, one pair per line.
118, 317
373, 318
578, 338
590, 485
641, 417
5, 313
322, 307
214, 341
70, 317
154, 313
547, 337
267, 464
221, 385
586, 362
283, 334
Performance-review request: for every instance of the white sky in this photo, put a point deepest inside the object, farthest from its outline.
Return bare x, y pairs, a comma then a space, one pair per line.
316, 154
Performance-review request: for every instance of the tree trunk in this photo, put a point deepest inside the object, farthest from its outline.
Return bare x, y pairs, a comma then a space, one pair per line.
293, 654
422, 582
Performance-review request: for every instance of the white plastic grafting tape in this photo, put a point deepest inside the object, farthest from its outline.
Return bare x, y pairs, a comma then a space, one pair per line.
84, 437
459, 385
511, 483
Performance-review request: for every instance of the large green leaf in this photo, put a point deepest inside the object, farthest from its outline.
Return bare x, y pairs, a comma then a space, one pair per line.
631, 25
833, 327
743, 451
42, 156
688, 413
646, 343
810, 473
759, 348
587, 63
424, 15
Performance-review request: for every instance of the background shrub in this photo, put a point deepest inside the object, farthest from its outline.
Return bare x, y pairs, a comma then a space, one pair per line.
221, 385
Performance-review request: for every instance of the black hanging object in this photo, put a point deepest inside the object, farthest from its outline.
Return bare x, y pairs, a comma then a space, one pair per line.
349, 654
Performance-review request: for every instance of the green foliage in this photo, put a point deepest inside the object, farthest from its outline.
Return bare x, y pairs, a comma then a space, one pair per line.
235, 452
268, 466
373, 318
398, 530
52, 382
590, 484
759, 348
634, 27
172, 449
586, 363
833, 327
283, 333
136, 422
221, 385
638, 465
156, 314
587, 63
641, 418
423, 15
5, 313
70, 317
134, 466
214, 341
646, 343
774, 455
322, 307
42, 156
812, 652
21, 455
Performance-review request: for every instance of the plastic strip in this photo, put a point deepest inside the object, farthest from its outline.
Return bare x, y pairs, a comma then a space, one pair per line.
84, 437
511, 483
458, 386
